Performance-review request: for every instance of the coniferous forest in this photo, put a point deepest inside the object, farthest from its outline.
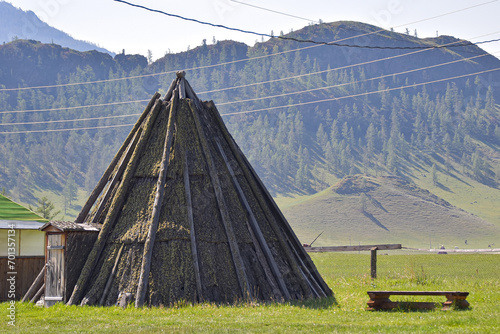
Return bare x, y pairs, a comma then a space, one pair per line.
305, 115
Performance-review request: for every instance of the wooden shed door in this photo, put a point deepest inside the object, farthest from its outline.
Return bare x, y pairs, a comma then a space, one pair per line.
54, 283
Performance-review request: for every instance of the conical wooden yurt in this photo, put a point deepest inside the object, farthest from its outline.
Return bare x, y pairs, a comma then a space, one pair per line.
186, 218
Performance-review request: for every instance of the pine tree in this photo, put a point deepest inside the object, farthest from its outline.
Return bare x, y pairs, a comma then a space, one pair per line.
434, 175
45, 208
477, 165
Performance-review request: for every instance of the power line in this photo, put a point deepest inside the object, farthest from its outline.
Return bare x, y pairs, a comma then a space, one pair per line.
184, 69
352, 82
331, 69
291, 38
68, 129
361, 94
279, 107
85, 82
259, 83
70, 120
72, 108
274, 11
267, 97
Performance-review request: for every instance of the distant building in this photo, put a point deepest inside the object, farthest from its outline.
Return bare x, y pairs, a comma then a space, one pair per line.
29, 250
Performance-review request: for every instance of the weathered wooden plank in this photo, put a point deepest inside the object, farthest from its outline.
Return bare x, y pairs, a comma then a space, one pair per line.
55, 278
262, 243
105, 177
351, 248
170, 90
27, 268
155, 215
258, 188
315, 287
182, 88
38, 294
373, 262
221, 203
116, 177
192, 232
36, 284
190, 94
111, 276
115, 208
376, 294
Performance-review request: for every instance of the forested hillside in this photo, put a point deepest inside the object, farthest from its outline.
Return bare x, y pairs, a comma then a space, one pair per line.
305, 115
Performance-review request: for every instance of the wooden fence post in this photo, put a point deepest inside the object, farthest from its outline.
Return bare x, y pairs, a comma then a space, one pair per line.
374, 262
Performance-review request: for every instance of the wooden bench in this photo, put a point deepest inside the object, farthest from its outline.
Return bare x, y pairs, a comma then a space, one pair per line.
379, 300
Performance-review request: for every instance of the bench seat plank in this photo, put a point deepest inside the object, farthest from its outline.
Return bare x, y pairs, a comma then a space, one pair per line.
379, 300
420, 293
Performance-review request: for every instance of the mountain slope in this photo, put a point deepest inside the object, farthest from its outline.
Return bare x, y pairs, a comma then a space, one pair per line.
376, 118
19, 24
370, 210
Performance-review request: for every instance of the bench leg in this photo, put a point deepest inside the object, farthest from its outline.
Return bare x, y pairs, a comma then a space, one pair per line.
379, 302
458, 301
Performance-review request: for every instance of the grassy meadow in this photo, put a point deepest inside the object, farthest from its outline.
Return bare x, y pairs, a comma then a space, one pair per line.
348, 277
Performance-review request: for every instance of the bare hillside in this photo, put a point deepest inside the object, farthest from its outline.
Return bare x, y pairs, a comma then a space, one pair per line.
368, 210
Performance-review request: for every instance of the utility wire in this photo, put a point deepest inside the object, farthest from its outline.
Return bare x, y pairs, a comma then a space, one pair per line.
329, 70
360, 94
274, 11
70, 120
72, 108
264, 97
240, 60
69, 129
351, 82
283, 106
293, 38
241, 86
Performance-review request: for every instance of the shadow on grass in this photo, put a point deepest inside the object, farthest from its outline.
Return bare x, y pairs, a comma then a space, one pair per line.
375, 220
317, 303
407, 307
311, 303
443, 187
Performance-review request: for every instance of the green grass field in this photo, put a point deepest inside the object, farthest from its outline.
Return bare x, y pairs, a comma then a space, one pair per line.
346, 274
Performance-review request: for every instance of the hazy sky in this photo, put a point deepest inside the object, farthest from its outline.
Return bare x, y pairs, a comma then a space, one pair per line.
116, 26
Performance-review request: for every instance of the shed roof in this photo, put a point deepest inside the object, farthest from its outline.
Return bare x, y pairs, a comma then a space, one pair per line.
20, 224
66, 226
12, 211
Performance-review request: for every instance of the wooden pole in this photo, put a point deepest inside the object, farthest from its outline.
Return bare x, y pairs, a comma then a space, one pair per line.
190, 94
256, 228
111, 276
194, 248
116, 177
258, 187
114, 210
170, 90
182, 88
155, 215
35, 284
373, 262
38, 294
105, 177
226, 221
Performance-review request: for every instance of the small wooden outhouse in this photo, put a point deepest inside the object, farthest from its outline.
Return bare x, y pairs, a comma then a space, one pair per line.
67, 245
